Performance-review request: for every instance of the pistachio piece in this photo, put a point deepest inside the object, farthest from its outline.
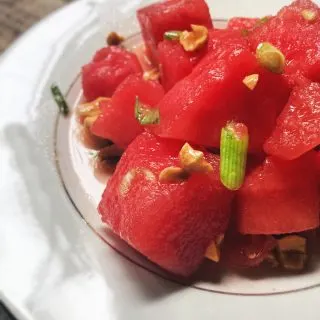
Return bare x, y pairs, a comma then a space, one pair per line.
195, 39
173, 175
213, 252
293, 252
152, 75
146, 115
309, 15
90, 109
193, 160
114, 39
270, 57
251, 81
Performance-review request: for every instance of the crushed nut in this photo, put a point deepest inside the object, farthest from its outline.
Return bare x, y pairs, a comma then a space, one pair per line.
251, 81
309, 15
90, 109
89, 112
114, 39
213, 251
193, 160
173, 175
195, 39
152, 74
293, 252
270, 57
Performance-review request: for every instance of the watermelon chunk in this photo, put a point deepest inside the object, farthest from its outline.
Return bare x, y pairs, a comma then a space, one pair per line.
298, 126
175, 63
117, 122
109, 67
171, 224
163, 16
201, 104
279, 197
296, 37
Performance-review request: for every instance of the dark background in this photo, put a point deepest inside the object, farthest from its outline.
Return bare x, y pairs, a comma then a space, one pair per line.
16, 16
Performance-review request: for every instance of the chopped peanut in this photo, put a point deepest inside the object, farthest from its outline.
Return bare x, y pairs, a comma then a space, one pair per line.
193, 160
194, 39
251, 81
213, 251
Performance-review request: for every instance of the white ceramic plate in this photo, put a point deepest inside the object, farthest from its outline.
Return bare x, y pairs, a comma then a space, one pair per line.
53, 263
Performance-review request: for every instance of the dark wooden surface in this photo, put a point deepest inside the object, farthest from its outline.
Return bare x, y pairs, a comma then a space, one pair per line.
16, 16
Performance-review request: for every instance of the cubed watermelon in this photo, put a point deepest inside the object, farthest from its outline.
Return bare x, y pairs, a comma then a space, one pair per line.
109, 67
295, 36
279, 197
298, 126
201, 104
117, 122
168, 15
175, 63
170, 223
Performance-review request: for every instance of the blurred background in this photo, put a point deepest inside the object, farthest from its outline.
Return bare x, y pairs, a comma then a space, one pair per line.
16, 16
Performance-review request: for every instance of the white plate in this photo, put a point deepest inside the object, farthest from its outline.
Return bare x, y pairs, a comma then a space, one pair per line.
55, 266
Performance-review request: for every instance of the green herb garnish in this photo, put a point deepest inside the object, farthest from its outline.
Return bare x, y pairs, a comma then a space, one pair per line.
59, 99
172, 35
233, 155
146, 115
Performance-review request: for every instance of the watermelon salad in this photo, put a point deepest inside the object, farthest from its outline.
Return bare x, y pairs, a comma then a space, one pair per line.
213, 136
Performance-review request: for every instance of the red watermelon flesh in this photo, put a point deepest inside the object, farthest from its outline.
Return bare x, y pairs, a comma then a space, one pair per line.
241, 23
117, 123
175, 63
279, 197
245, 251
297, 38
171, 224
201, 104
298, 126
168, 15
109, 67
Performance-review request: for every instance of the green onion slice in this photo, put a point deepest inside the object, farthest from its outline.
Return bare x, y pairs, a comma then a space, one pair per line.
233, 155
146, 115
172, 35
59, 99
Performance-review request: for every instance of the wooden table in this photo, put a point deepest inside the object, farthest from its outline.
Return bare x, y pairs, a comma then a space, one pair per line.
16, 16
